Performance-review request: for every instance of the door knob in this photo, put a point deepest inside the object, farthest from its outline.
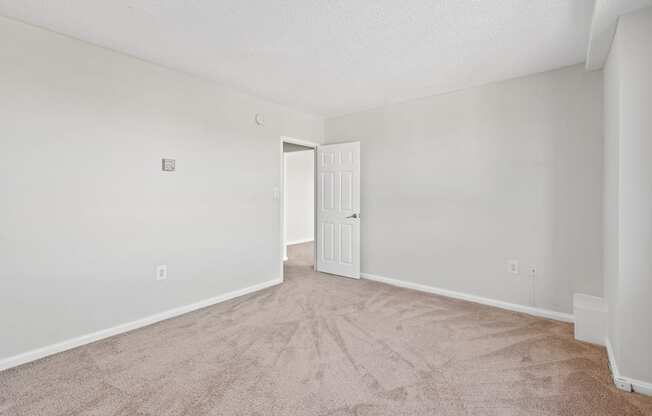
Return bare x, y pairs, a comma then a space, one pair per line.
354, 216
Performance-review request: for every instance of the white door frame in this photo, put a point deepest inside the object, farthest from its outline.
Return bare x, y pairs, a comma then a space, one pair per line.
313, 145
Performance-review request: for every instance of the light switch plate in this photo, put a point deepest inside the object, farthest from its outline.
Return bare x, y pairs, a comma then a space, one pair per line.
168, 165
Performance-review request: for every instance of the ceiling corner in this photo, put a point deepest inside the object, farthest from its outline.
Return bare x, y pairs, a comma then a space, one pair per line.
603, 28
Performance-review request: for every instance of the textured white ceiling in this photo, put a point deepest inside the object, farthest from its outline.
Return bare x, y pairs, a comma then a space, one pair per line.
330, 57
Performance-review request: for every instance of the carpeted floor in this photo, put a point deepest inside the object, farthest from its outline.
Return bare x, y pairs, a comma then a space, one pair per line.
324, 345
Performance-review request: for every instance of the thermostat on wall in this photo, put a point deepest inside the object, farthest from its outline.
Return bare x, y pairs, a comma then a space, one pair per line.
168, 165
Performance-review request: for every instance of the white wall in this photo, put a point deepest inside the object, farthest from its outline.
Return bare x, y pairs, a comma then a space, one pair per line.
628, 195
455, 185
300, 196
86, 213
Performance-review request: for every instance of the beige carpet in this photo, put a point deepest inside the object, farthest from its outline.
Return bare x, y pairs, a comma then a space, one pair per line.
324, 345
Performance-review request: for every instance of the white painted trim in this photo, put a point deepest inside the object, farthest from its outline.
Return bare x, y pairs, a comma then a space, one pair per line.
36, 354
307, 240
620, 381
612, 358
284, 207
590, 314
299, 142
544, 313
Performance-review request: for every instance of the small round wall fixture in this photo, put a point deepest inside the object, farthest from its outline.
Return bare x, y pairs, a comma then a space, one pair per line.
260, 120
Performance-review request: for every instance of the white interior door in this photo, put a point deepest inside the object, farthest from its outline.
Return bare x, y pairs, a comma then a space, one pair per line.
338, 209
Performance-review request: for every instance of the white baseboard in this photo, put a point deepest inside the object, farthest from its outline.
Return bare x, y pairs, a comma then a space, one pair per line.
129, 326
590, 318
291, 243
622, 382
544, 313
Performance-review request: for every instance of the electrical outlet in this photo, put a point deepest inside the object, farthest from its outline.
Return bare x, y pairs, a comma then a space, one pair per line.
532, 271
161, 272
512, 266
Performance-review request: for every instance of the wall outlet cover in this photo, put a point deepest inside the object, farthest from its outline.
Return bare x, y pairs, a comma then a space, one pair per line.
512, 266
161, 272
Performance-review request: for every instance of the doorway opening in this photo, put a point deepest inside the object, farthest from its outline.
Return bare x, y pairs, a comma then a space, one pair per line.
320, 219
297, 204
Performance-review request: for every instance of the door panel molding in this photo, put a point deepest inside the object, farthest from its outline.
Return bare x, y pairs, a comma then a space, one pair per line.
338, 209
